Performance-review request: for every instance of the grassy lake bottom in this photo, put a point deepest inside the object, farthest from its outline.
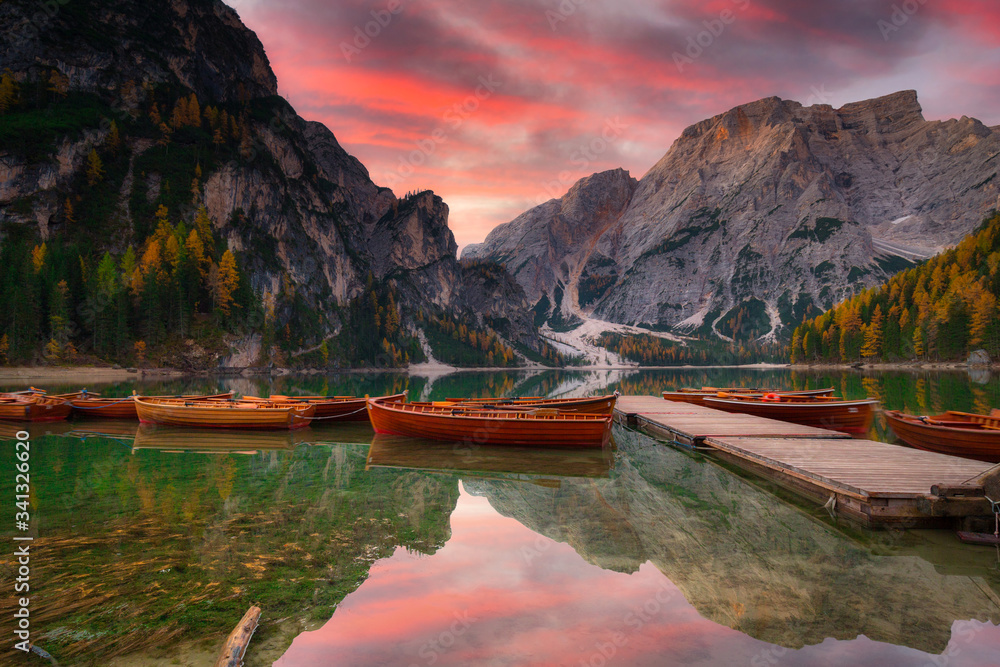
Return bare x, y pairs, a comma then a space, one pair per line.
150, 543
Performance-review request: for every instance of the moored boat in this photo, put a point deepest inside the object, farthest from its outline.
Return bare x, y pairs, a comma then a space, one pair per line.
92, 405
957, 433
697, 396
596, 405
544, 427
330, 408
33, 408
222, 414
820, 411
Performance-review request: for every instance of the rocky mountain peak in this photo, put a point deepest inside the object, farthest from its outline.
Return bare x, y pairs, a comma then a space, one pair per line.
200, 45
766, 209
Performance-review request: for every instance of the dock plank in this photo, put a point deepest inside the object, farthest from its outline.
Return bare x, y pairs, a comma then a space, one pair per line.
876, 483
877, 469
696, 422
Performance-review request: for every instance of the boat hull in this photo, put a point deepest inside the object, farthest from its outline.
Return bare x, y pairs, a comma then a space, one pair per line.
88, 404
105, 408
846, 416
481, 427
971, 443
209, 414
338, 408
594, 405
35, 409
698, 396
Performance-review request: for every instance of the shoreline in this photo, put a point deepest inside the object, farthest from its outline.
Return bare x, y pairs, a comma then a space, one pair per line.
95, 374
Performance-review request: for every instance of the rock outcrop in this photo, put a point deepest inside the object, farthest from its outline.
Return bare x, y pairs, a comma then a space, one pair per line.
771, 205
300, 209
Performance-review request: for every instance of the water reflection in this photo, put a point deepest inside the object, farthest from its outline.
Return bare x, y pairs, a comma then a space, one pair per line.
155, 538
391, 451
500, 593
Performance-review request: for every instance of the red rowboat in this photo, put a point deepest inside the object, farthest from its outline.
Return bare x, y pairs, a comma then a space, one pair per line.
821, 412
697, 396
595, 405
330, 408
543, 427
222, 414
33, 408
958, 433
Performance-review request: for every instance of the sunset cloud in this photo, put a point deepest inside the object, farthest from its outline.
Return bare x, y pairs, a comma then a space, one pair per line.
492, 104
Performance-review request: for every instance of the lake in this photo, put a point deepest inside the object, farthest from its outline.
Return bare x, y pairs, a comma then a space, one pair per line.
150, 544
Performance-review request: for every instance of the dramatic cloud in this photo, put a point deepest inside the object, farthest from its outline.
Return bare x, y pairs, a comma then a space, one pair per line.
496, 105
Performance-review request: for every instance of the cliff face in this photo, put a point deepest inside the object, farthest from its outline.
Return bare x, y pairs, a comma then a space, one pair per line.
774, 203
291, 199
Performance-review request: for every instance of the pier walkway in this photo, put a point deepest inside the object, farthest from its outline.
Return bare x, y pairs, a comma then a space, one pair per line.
874, 483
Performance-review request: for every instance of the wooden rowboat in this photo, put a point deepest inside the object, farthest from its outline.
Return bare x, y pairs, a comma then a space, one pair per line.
697, 396
538, 428
222, 414
958, 433
595, 405
822, 412
33, 408
329, 408
89, 405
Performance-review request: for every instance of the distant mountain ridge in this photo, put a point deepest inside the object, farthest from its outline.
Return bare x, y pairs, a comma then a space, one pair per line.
770, 208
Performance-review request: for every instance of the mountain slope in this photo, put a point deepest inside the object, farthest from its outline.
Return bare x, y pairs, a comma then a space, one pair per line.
772, 208
304, 216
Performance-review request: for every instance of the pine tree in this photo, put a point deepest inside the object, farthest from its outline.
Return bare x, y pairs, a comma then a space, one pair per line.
872, 346
228, 281
38, 256
203, 224
918, 342
95, 168
68, 212
196, 253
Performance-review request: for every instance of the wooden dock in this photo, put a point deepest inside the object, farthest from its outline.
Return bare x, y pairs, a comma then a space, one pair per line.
873, 483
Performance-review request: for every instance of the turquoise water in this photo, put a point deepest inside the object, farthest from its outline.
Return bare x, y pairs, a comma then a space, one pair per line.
363, 550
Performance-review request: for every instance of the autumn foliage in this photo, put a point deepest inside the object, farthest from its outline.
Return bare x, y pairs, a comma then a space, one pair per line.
940, 310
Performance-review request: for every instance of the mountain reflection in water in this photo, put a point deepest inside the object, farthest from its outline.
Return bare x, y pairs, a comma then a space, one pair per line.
363, 550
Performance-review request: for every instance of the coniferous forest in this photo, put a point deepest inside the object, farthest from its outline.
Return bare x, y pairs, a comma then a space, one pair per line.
940, 310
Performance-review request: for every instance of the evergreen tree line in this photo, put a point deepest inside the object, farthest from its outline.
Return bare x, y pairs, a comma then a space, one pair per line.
458, 341
58, 301
941, 311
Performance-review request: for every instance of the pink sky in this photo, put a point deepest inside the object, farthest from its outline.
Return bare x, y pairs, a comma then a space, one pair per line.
500, 104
